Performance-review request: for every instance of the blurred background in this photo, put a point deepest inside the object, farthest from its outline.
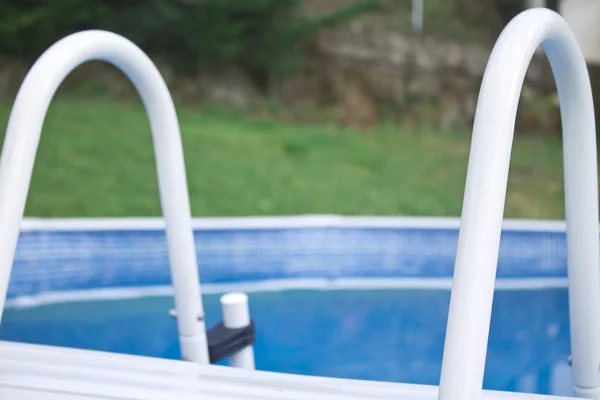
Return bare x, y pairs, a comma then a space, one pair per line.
358, 107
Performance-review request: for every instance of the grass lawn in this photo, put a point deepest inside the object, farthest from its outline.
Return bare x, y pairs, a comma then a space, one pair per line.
96, 159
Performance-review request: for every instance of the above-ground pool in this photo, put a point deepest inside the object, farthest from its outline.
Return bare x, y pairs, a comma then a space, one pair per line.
352, 298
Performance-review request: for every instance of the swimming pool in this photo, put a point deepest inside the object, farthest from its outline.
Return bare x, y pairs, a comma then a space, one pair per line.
339, 297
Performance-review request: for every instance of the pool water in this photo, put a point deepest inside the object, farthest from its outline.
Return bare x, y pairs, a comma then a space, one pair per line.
389, 335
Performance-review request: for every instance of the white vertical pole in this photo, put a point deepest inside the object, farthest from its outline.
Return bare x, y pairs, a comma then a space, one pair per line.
236, 314
417, 15
21, 143
485, 192
536, 3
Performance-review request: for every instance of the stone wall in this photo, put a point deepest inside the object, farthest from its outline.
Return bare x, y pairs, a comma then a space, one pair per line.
414, 79
359, 75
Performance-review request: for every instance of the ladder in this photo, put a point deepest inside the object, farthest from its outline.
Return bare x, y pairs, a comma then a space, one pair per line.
21, 143
485, 193
476, 260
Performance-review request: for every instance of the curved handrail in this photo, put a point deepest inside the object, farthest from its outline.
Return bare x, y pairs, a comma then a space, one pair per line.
485, 192
22, 139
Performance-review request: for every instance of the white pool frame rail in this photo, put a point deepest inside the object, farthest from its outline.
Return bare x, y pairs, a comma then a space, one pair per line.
485, 192
21, 143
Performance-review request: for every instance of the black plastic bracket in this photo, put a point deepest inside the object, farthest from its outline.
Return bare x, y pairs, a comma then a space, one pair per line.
224, 342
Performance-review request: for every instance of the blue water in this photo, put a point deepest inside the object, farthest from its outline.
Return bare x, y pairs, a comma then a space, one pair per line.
391, 335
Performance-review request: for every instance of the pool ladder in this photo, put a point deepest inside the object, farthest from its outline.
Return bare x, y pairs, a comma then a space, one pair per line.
485, 193
479, 238
21, 143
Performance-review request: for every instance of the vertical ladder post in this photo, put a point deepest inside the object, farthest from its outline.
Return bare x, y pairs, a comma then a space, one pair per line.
21, 143
485, 192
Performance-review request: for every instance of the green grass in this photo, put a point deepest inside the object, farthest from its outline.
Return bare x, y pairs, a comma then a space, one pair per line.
96, 159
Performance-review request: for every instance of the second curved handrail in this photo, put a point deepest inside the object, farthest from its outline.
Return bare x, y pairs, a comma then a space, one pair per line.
485, 192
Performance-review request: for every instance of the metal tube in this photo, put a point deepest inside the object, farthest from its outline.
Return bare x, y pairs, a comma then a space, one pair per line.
22, 139
485, 192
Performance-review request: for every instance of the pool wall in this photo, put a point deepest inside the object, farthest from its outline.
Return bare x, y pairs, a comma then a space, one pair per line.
58, 255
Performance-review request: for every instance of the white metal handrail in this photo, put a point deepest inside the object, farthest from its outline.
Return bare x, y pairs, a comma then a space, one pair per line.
485, 192
21, 143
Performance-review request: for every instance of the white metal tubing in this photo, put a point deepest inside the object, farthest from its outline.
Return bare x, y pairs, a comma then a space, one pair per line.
236, 314
20, 147
485, 192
